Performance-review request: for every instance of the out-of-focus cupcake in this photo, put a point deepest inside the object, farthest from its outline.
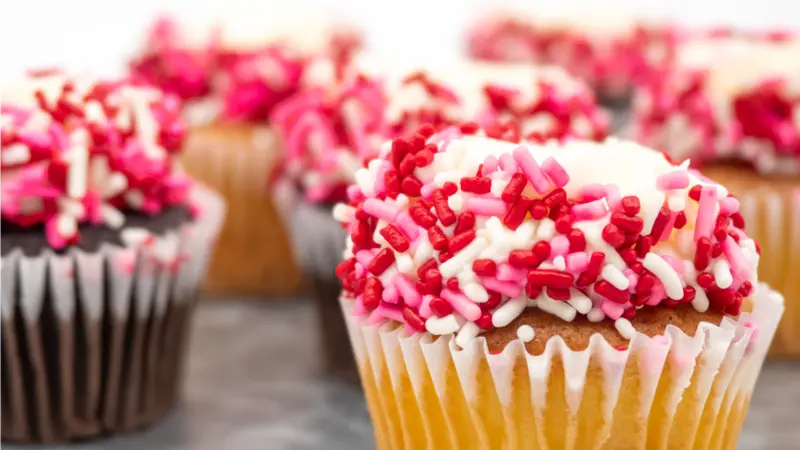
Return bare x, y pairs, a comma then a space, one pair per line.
104, 244
609, 48
231, 76
565, 295
731, 104
329, 134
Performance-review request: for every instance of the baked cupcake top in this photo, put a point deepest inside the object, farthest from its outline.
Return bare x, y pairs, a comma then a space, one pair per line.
728, 97
329, 131
467, 240
85, 151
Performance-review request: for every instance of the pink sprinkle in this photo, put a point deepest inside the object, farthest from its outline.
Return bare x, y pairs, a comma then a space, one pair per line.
611, 309
391, 295
427, 190
577, 262
705, 213
505, 272
559, 246
407, 226
589, 211
489, 165
531, 169
592, 192
633, 279
380, 179
425, 308
462, 305
53, 237
555, 171
358, 306
388, 311
408, 291
677, 179
668, 228
736, 259
507, 288
381, 209
728, 206
486, 206
359, 270
354, 193
675, 263
657, 295
364, 257
507, 163
612, 196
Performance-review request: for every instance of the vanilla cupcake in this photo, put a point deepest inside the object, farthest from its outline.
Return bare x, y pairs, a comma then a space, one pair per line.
104, 244
328, 134
564, 295
731, 105
232, 73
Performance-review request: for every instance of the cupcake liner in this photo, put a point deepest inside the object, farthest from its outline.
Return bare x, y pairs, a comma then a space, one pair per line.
318, 244
93, 343
669, 391
236, 160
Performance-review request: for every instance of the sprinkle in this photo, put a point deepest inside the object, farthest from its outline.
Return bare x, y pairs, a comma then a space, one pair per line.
550, 278
467, 334
579, 301
112, 217
555, 171
476, 293
462, 305
705, 213
577, 262
15, 154
559, 263
722, 273
381, 210
589, 211
666, 274
486, 206
506, 288
442, 326
531, 169
612, 310
382, 261
625, 328
525, 333
509, 311
456, 203
615, 277
678, 179
557, 308
595, 315
464, 257
736, 259
546, 230
613, 196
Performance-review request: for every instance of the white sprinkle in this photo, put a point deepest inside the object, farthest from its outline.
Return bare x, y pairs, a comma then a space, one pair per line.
456, 203
16, 154
579, 301
476, 293
546, 231
722, 273
559, 263
115, 183
94, 112
651, 204
524, 234
77, 174
509, 311
525, 333
66, 225
557, 308
664, 272
343, 212
615, 277
440, 326
135, 198
595, 315
112, 216
676, 202
424, 249
71, 207
404, 263
463, 258
625, 328
401, 200
133, 237
365, 179
498, 186
443, 177
467, 334
700, 302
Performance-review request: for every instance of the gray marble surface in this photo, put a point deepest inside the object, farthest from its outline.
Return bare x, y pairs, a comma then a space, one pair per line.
254, 383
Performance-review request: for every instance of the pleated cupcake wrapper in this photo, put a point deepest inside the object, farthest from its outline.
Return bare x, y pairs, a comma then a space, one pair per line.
236, 160
94, 342
670, 391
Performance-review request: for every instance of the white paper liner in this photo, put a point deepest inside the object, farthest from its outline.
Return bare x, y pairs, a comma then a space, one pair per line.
317, 240
114, 287
715, 371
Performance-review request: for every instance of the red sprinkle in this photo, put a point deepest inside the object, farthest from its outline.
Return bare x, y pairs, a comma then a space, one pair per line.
695, 191
716, 250
449, 188
516, 214
466, 221
440, 307
538, 209
373, 290
413, 319
452, 284
660, 223
556, 197
613, 235
427, 265
476, 185
705, 280
738, 220
558, 294
361, 234
596, 260
345, 267
411, 186
577, 241
610, 292
643, 246
392, 183
485, 321
564, 224
381, 261
585, 279
688, 294
628, 224
550, 278
407, 165
459, 241
542, 250
680, 220
630, 205
628, 255
423, 158
702, 256
645, 284
446, 215
484, 267
523, 259
437, 238
493, 302
745, 289
395, 238
422, 216
514, 188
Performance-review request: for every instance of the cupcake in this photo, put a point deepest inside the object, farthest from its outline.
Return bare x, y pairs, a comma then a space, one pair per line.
231, 76
328, 135
731, 104
104, 244
564, 295
610, 53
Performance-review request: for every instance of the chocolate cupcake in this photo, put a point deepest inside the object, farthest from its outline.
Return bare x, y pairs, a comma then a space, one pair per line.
104, 243
564, 295
329, 134
730, 103
231, 75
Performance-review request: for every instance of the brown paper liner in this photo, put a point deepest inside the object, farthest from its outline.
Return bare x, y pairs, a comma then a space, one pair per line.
93, 342
771, 208
252, 257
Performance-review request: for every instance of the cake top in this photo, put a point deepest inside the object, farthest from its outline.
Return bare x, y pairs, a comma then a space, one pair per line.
329, 131
78, 150
466, 240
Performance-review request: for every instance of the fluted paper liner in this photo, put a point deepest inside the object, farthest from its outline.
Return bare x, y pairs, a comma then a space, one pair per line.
93, 343
252, 256
669, 391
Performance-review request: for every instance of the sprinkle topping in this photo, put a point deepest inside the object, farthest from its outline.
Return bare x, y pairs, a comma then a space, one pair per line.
536, 243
